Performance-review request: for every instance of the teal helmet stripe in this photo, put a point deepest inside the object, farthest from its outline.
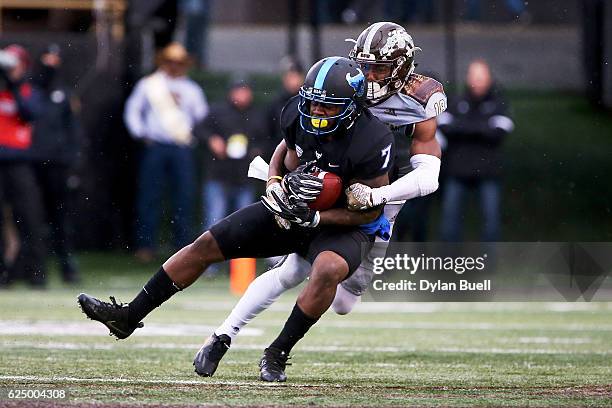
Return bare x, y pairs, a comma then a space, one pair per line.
323, 72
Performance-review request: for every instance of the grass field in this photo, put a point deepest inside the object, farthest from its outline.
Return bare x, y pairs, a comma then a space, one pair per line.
418, 354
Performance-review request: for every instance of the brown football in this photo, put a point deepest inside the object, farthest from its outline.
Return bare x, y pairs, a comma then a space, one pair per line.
332, 188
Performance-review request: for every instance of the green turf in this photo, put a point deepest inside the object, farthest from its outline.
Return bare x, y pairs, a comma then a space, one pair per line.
452, 354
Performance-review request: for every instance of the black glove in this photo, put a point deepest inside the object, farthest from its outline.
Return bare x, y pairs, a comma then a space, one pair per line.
303, 186
297, 211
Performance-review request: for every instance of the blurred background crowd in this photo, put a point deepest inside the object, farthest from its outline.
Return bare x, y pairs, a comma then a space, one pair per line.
96, 155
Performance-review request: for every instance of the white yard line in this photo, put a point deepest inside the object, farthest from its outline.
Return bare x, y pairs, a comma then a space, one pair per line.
497, 350
187, 346
89, 328
368, 307
390, 324
552, 340
322, 349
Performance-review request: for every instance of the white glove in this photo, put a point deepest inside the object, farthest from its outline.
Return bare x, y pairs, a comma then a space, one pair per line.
361, 197
278, 190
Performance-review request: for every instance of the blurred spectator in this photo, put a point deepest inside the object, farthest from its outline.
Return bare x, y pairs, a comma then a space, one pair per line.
162, 112
359, 11
475, 126
55, 150
409, 11
196, 14
292, 78
330, 11
20, 104
234, 138
516, 7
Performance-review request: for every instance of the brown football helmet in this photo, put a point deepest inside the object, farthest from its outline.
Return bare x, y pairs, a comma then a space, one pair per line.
385, 52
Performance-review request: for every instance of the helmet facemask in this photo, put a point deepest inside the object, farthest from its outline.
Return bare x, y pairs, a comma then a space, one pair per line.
324, 124
385, 77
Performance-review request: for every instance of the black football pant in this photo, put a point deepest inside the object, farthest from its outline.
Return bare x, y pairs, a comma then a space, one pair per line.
252, 232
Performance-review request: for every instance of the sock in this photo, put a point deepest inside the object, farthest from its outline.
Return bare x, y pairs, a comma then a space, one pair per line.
295, 328
157, 290
261, 293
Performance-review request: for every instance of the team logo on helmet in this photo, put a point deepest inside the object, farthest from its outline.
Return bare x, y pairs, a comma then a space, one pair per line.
397, 40
357, 82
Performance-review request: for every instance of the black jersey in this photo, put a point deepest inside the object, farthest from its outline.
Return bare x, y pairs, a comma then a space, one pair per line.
364, 151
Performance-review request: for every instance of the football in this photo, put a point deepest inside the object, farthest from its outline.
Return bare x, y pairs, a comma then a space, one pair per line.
332, 188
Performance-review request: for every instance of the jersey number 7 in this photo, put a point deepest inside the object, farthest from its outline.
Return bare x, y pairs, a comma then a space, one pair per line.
386, 153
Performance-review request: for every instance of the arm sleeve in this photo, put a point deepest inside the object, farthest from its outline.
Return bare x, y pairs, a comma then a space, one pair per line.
436, 105
421, 181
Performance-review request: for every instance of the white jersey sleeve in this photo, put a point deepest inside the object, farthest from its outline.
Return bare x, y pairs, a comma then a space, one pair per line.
421, 98
436, 104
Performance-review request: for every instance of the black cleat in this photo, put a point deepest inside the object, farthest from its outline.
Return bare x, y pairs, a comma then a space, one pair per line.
113, 315
207, 359
272, 365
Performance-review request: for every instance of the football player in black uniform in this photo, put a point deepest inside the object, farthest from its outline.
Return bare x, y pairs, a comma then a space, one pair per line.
325, 128
409, 104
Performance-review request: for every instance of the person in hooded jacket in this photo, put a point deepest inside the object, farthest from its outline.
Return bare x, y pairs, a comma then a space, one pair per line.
55, 149
20, 107
475, 126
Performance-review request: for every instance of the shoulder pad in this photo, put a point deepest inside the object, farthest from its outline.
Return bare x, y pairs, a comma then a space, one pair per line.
421, 88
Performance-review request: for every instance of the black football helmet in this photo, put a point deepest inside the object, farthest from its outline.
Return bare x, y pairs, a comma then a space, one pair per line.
332, 81
385, 44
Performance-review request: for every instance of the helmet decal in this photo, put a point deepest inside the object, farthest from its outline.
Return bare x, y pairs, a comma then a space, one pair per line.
323, 72
357, 82
373, 30
397, 39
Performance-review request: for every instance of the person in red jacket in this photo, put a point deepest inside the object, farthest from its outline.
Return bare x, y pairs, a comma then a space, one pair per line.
20, 104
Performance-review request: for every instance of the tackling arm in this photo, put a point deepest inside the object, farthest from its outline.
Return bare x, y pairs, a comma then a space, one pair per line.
343, 216
422, 180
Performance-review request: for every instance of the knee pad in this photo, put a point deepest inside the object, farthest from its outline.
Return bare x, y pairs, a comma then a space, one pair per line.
292, 270
344, 301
